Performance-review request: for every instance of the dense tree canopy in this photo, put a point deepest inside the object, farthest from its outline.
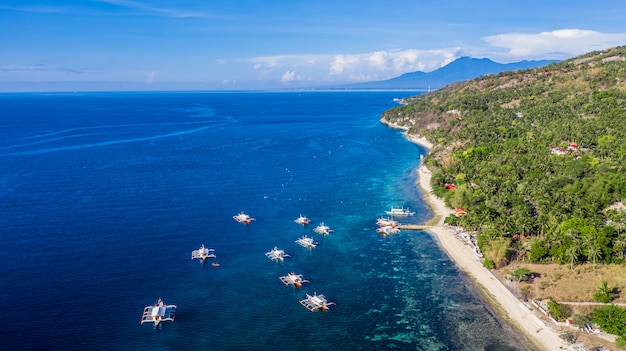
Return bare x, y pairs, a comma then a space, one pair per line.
611, 318
537, 157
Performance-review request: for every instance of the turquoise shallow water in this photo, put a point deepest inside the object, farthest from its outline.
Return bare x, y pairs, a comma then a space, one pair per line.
105, 195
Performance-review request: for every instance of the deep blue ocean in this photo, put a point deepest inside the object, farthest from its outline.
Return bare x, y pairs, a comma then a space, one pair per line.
105, 195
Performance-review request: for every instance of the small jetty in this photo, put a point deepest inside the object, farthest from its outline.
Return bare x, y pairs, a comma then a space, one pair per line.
203, 253
243, 218
323, 229
316, 302
307, 242
415, 226
276, 254
399, 212
157, 313
302, 220
293, 279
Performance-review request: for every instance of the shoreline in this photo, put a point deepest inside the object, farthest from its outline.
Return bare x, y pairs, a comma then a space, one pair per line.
493, 291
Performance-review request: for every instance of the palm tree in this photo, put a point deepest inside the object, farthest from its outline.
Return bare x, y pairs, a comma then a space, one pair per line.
619, 245
591, 248
604, 293
572, 252
617, 219
593, 252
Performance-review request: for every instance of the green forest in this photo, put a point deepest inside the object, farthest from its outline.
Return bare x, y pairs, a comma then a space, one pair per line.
536, 157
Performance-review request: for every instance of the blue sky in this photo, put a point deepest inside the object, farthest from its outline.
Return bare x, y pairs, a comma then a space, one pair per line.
254, 44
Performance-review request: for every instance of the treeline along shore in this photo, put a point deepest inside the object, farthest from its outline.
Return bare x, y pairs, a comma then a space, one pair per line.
532, 164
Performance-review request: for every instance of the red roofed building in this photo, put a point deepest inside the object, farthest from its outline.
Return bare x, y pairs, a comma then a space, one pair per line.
459, 212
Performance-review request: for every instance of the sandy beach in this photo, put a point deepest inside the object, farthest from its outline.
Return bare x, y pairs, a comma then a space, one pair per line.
517, 312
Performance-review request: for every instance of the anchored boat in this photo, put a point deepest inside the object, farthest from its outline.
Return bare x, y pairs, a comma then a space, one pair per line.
307, 242
399, 212
316, 302
323, 229
276, 255
243, 218
388, 230
386, 222
302, 220
203, 253
293, 279
157, 313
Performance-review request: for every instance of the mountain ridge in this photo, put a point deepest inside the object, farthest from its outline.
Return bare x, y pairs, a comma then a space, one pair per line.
461, 69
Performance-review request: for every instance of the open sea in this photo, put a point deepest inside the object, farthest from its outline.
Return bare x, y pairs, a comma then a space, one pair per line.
103, 196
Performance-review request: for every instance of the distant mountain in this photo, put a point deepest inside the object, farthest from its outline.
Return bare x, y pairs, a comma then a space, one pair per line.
463, 68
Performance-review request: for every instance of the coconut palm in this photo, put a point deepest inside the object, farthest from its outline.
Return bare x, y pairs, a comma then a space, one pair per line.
572, 252
604, 293
619, 245
593, 252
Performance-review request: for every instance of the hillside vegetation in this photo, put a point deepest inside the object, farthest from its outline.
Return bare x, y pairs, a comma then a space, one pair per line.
536, 157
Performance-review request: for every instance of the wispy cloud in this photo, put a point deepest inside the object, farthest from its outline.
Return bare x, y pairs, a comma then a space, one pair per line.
269, 62
38, 68
130, 4
557, 44
36, 9
43, 73
168, 12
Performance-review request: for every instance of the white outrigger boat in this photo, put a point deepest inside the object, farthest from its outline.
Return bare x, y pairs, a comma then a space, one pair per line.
386, 222
307, 242
276, 254
302, 220
323, 229
316, 302
243, 218
203, 253
157, 313
388, 230
399, 212
293, 279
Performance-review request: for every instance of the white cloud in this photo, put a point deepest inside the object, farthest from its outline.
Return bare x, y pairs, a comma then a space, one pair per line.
378, 60
341, 62
557, 44
376, 65
288, 77
407, 58
381, 65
